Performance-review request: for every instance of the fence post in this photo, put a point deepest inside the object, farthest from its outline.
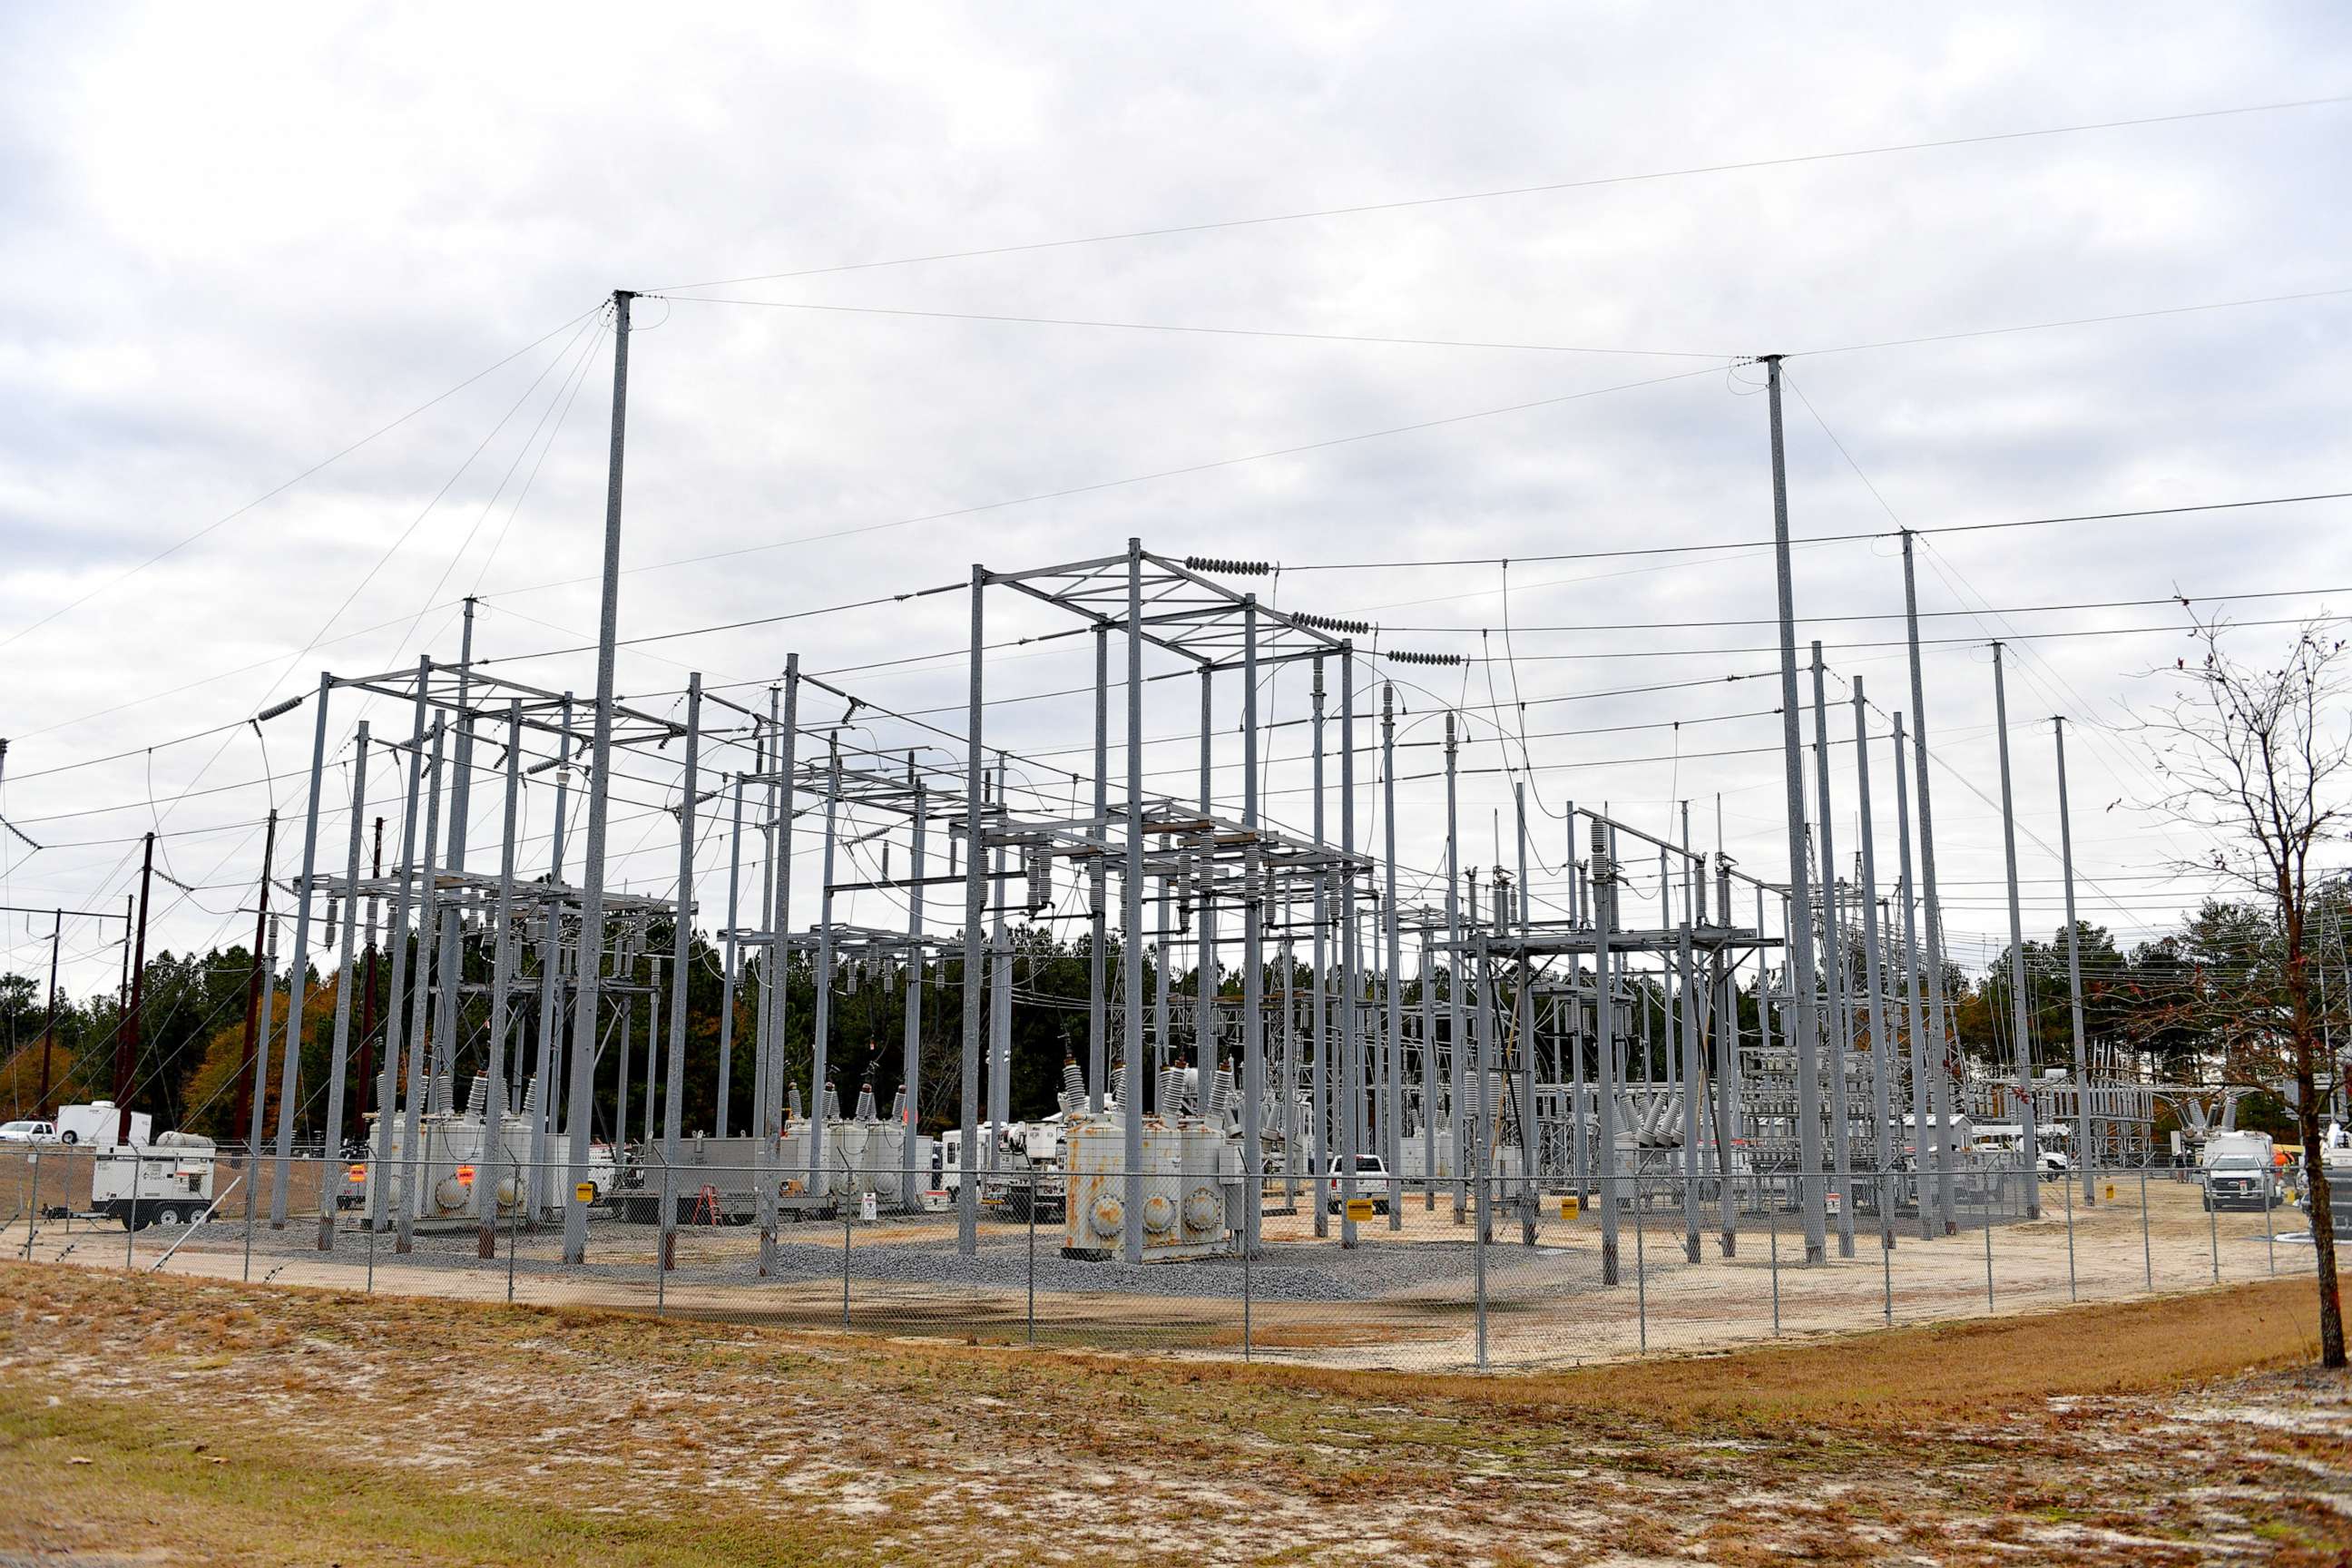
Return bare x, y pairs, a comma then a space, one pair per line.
371, 1263
2270, 1224
253, 1170
131, 1224
1478, 1270
2213, 1229
845, 1208
32, 1212
2069, 1184
1772, 1221
2146, 1253
1032, 1206
513, 1216
661, 1264
1885, 1253
1641, 1269
1984, 1215
1246, 1251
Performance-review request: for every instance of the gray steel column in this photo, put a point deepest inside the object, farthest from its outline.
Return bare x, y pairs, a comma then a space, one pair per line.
1727, 1046
775, 987
1834, 964
2017, 1015
727, 957
1205, 911
550, 985
1321, 1125
486, 1172
1392, 1134
681, 953
1098, 885
592, 876
1253, 950
1131, 958
1456, 1119
420, 994
1802, 1023
1428, 969
910, 1065
1000, 997
1692, 1080
1350, 1026
387, 1095
338, 1064
1914, 1003
1939, 1016
820, 1051
1882, 1058
2074, 978
461, 802
297, 980
1604, 1035
975, 884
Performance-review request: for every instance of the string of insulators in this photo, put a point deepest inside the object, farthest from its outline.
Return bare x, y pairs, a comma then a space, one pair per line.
1396, 656
1218, 563
1326, 623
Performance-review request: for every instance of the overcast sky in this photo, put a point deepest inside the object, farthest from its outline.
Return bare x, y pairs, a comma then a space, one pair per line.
239, 241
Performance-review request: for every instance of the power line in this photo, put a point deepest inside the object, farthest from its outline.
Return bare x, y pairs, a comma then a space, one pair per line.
1588, 182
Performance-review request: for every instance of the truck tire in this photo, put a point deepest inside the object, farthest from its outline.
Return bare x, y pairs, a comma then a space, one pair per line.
167, 1215
70, 1137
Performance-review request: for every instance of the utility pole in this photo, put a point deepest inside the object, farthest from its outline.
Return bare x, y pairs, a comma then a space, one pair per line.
126, 1027
49, 1030
2074, 978
592, 876
360, 1084
1802, 1023
253, 984
2017, 1019
1932, 925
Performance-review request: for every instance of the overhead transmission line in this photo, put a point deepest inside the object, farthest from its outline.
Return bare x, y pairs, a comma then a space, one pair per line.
1548, 187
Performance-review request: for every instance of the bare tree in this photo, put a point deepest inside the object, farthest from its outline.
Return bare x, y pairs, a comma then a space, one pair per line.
2255, 759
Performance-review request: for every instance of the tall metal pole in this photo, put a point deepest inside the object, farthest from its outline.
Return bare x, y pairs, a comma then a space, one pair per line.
910, 1065
494, 1067
2083, 1151
1882, 1056
289, 1068
387, 1095
1253, 954
2017, 1019
1914, 1001
1098, 886
126, 1027
550, 979
1320, 1125
681, 953
1931, 906
821, 1024
364, 1077
1604, 1034
1350, 1012
338, 1062
1392, 1139
1457, 1073
1834, 966
975, 886
1131, 954
728, 955
1803, 1022
412, 1170
49, 1029
254, 1024
591, 873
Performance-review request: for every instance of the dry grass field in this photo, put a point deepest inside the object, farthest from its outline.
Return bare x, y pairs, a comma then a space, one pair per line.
163, 1420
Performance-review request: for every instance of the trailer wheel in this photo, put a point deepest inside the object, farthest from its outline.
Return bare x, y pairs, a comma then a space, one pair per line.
167, 1215
71, 1137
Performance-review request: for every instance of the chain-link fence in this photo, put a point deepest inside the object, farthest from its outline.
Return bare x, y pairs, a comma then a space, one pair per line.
1395, 1273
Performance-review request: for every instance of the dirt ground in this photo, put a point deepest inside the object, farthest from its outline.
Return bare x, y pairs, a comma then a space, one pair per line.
1545, 1308
163, 1420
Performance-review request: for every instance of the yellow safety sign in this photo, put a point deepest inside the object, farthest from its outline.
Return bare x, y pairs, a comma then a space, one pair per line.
585, 1192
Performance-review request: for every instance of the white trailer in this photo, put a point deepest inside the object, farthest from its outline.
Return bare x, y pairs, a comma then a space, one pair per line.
168, 1181
98, 1122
